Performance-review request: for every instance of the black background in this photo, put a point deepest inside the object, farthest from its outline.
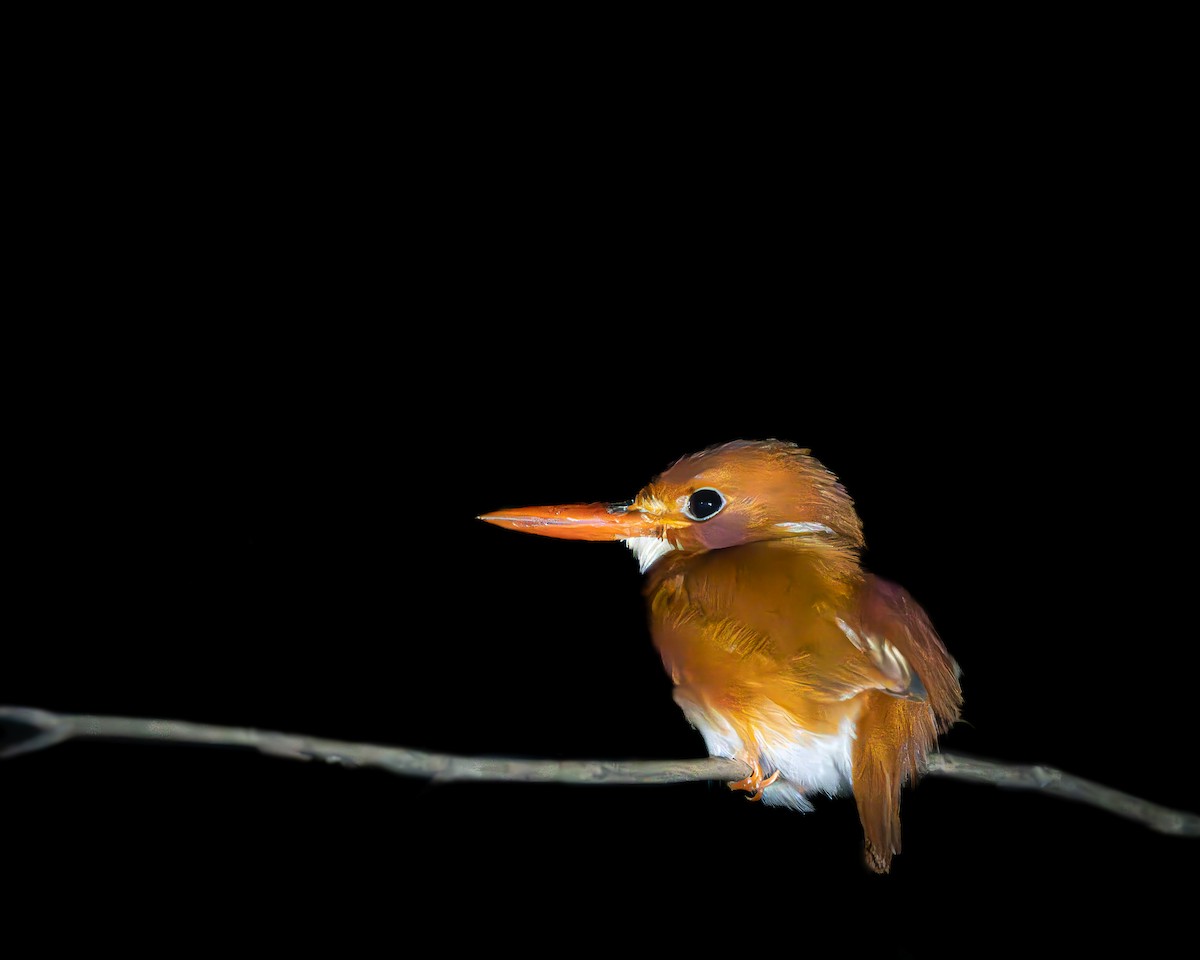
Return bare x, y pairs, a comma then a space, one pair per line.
323, 338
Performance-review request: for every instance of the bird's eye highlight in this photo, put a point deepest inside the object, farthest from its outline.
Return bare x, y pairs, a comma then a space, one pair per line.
704, 504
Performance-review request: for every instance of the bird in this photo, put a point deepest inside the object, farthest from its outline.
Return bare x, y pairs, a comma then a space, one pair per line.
783, 650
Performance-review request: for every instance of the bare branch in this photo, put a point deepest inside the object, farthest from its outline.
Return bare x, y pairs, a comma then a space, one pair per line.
32, 729
1066, 785
44, 729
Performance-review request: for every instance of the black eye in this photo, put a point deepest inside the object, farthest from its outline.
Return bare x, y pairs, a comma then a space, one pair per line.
704, 504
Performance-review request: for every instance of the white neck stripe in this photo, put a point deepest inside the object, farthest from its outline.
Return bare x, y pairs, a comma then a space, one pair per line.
805, 527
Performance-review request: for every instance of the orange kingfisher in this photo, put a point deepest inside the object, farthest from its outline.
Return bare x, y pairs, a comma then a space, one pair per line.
784, 652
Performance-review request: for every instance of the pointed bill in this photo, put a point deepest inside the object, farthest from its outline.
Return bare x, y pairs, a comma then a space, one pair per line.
576, 521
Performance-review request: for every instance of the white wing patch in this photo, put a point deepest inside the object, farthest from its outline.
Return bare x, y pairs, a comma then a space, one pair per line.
889, 661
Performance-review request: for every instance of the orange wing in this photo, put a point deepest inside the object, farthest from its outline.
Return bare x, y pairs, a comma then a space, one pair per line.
889, 617
896, 733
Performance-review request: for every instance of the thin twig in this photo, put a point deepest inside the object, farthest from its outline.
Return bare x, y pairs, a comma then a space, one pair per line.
45, 729
1066, 785
38, 729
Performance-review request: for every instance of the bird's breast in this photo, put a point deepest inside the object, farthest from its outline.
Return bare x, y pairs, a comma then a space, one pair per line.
750, 633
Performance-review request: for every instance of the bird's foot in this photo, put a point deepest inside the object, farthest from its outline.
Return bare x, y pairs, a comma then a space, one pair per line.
754, 784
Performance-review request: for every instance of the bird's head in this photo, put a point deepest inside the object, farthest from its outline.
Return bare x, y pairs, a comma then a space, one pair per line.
727, 495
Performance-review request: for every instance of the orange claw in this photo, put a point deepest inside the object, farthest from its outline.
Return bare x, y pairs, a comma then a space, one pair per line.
754, 784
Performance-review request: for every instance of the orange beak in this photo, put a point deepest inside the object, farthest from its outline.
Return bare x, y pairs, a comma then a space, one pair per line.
577, 521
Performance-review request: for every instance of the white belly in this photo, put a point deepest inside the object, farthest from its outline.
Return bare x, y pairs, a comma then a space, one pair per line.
807, 762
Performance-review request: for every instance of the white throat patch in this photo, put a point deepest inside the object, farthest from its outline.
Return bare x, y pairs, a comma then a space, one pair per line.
648, 550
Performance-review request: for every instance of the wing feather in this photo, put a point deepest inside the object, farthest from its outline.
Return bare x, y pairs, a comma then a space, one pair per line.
906, 638
896, 734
